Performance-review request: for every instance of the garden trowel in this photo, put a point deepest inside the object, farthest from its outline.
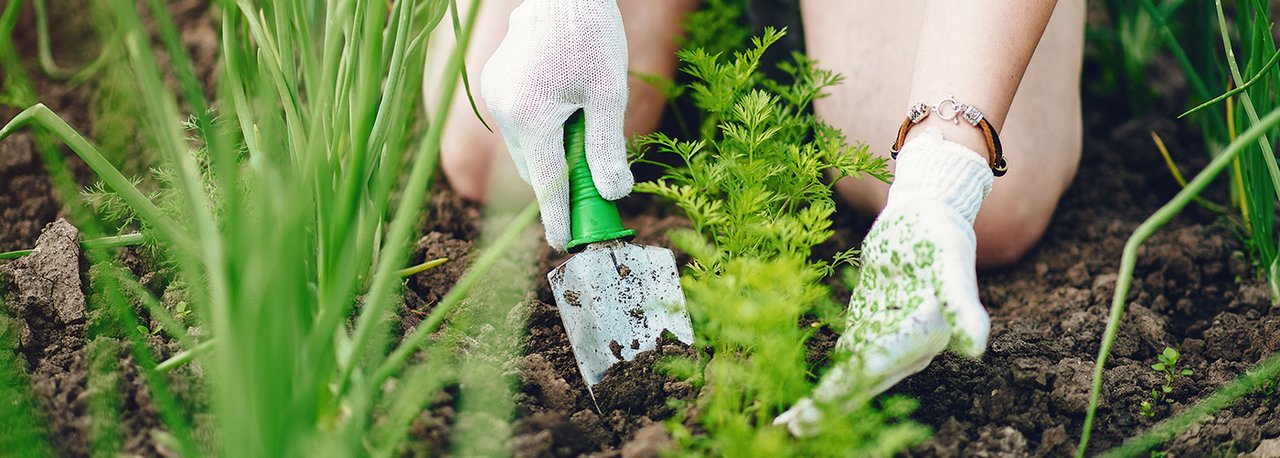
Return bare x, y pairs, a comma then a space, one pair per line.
615, 297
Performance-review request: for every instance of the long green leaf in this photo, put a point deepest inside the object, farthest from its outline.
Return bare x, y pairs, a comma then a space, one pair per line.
1129, 258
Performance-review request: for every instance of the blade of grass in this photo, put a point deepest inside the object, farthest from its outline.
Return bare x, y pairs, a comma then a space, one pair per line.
41, 116
1247, 102
414, 270
207, 256
1177, 175
1193, 76
394, 253
1238, 197
174, 421
157, 311
466, 80
1262, 224
1128, 260
1266, 69
116, 241
455, 295
185, 356
24, 431
412, 395
50, 66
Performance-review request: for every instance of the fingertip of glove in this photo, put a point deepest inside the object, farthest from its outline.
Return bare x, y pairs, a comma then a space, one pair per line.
972, 329
555, 223
800, 418
615, 185
557, 241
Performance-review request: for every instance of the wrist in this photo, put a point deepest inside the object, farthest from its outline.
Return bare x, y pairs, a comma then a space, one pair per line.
949, 109
931, 168
962, 134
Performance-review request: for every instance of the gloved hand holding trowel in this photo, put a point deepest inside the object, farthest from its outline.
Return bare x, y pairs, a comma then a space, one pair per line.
917, 294
557, 87
561, 56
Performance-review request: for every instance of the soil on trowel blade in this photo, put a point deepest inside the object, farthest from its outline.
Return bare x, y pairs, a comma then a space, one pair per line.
555, 413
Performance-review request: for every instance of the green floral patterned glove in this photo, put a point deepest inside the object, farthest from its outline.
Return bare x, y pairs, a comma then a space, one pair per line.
917, 292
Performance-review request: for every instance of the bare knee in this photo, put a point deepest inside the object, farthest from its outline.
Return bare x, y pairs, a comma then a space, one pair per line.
1009, 226
466, 157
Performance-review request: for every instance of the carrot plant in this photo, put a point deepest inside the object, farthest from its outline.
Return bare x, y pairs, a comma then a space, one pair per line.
756, 188
285, 209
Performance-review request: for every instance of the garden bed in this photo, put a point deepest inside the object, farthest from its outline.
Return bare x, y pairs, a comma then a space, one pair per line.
1193, 290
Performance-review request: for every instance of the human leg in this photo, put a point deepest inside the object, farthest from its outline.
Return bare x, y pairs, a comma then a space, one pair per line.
873, 44
474, 159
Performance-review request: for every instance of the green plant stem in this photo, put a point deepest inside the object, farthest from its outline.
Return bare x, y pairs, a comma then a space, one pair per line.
185, 356
466, 81
1130, 257
1264, 143
41, 116
46, 55
455, 296
1193, 77
414, 270
394, 253
206, 254
92, 244
1261, 374
1266, 68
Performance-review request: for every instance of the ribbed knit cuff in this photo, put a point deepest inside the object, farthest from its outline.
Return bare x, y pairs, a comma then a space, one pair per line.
933, 169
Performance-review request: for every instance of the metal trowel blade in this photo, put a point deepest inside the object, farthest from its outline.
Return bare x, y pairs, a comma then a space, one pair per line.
615, 299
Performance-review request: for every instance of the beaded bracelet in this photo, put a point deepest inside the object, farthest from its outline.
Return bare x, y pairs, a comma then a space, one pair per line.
951, 110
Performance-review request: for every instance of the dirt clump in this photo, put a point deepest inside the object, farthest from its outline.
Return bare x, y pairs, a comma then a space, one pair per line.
639, 386
624, 418
47, 301
26, 195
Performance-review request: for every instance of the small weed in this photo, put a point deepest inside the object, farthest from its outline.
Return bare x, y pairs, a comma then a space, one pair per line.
1168, 366
1269, 391
142, 330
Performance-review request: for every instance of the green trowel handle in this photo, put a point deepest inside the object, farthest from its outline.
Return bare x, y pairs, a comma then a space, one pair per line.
591, 218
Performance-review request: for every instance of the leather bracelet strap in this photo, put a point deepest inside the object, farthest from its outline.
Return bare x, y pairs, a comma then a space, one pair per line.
971, 115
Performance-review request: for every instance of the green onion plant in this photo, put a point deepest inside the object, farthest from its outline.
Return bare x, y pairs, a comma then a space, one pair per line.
1234, 93
1251, 157
286, 212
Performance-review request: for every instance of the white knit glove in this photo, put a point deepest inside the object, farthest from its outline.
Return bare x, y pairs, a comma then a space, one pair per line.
917, 293
560, 56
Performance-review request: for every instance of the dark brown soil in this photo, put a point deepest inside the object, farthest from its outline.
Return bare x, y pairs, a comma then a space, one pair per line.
556, 415
90, 391
46, 298
1193, 290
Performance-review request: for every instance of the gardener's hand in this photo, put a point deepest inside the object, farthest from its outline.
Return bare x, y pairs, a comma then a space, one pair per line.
917, 293
560, 56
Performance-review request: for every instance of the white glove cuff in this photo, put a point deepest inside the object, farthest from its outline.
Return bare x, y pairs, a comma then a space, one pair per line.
933, 169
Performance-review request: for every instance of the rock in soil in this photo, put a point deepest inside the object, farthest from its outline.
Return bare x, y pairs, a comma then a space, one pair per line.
46, 296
